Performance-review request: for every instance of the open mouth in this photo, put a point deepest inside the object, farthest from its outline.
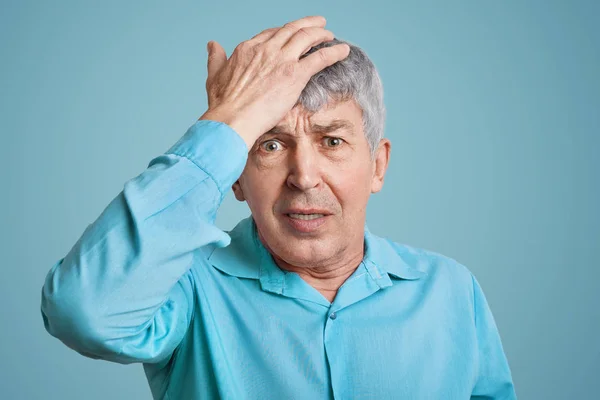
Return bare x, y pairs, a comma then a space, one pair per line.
306, 222
305, 217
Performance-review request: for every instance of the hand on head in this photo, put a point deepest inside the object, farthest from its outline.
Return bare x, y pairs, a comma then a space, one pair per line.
262, 80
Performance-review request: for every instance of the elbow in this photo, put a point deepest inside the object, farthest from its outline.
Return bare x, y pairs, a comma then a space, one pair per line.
88, 321
85, 333
68, 316
76, 328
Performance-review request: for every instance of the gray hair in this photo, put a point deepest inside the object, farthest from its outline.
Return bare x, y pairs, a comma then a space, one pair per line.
354, 77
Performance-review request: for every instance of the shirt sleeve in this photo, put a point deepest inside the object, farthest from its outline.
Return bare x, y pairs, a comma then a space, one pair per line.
124, 292
494, 380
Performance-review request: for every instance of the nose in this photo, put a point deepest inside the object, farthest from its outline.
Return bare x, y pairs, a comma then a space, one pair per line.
304, 169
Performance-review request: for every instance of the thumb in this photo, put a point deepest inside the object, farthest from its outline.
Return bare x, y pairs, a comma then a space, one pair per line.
217, 57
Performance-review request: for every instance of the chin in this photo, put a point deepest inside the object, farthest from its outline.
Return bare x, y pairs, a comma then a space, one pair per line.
303, 252
296, 248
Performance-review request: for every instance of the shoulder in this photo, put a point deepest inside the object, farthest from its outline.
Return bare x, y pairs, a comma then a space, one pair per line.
434, 261
447, 283
441, 270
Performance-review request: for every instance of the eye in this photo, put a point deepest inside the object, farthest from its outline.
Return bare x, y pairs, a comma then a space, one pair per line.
333, 141
270, 146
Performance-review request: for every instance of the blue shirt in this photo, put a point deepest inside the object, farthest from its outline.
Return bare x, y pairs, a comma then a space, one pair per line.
211, 316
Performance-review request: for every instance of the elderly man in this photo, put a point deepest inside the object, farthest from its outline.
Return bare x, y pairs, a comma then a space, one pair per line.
300, 300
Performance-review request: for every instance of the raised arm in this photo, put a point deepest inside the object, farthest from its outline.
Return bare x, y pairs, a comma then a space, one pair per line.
124, 292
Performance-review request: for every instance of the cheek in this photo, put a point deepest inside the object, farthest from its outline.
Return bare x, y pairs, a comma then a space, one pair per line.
261, 189
352, 187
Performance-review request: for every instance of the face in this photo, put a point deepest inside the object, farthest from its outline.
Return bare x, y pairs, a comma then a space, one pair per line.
307, 183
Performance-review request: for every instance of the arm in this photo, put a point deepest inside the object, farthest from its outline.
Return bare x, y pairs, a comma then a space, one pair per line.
494, 380
124, 291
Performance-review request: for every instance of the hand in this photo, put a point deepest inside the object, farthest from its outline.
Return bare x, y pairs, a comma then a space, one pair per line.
262, 80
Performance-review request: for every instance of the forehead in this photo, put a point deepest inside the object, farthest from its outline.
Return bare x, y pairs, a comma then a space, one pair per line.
335, 116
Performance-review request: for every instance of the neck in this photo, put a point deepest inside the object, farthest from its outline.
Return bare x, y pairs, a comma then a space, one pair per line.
328, 277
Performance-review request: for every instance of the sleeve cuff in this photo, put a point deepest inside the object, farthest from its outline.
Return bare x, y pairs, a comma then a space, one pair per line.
216, 148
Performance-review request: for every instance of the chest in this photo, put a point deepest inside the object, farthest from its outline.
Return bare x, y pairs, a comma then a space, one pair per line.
245, 343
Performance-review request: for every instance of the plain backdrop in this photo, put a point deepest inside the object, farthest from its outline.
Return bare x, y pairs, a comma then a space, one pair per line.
493, 113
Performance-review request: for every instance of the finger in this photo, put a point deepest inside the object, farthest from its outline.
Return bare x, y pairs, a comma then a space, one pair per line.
283, 35
264, 35
304, 39
217, 57
324, 57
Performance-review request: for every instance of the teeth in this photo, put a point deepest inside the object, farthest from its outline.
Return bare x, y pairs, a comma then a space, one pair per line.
306, 216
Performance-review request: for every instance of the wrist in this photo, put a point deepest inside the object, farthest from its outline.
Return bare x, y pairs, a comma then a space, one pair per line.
233, 121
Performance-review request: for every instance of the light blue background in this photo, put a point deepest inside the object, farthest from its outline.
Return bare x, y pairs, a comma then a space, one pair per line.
493, 113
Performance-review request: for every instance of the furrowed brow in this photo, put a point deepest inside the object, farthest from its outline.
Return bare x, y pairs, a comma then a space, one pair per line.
336, 124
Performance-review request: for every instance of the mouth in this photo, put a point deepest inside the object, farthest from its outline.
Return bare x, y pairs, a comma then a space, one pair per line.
305, 217
306, 221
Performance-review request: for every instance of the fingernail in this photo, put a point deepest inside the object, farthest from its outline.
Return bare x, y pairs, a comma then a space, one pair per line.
208, 46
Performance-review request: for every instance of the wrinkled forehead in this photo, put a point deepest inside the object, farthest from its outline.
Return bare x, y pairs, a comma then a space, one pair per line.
343, 116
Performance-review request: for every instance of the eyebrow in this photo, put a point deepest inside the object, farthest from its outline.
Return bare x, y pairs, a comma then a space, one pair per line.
334, 125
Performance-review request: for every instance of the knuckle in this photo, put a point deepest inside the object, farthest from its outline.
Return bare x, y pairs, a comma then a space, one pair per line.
258, 48
264, 47
270, 50
243, 47
292, 26
323, 55
304, 31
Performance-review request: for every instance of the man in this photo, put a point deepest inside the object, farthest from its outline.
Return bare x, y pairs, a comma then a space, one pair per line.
300, 300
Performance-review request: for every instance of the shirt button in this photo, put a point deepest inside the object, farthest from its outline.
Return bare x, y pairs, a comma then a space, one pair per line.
333, 315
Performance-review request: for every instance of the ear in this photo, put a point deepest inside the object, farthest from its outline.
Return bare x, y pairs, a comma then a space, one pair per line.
382, 158
237, 191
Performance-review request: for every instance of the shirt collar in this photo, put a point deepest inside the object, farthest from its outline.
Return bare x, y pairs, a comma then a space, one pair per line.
246, 257
396, 259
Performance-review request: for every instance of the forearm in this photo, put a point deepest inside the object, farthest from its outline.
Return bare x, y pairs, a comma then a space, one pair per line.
122, 286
